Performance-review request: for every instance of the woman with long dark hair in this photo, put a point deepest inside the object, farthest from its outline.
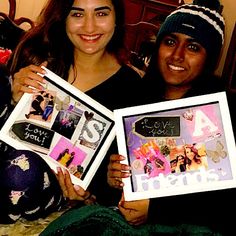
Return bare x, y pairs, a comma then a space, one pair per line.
82, 42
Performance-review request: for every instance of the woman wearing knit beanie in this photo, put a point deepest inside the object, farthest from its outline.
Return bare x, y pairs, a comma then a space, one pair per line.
187, 51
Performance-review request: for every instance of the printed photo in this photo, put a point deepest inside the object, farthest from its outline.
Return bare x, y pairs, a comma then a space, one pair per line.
70, 156
42, 106
66, 121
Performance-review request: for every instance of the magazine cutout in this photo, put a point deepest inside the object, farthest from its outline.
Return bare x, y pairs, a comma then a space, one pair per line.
177, 147
65, 126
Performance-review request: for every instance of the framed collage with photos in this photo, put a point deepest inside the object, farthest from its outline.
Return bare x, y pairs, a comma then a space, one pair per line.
63, 125
176, 147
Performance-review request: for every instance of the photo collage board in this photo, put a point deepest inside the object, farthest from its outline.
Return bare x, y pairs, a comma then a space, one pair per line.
64, 126
176, 147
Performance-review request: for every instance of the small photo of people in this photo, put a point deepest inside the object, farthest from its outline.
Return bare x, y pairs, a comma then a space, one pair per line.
69, 155
196, 157
66, 121
177, 159
42, 106
188, 157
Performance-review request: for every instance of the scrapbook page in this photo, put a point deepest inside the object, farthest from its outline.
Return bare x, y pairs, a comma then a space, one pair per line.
65, 126
177, 147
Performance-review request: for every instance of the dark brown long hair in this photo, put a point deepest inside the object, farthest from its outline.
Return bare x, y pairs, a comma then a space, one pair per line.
48, 40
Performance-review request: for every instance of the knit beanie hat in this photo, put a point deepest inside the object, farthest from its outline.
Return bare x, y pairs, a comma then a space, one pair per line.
200, 20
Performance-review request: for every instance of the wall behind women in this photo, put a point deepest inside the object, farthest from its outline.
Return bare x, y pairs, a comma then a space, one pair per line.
31, 9
230, 19
24, 8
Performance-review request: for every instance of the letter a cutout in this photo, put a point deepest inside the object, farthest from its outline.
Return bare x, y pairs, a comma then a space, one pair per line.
202, 121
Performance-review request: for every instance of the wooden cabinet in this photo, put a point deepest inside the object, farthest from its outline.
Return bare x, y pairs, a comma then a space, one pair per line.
12, 14
229, 72
143, 19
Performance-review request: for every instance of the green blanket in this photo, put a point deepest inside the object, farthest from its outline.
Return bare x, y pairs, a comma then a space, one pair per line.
98, 220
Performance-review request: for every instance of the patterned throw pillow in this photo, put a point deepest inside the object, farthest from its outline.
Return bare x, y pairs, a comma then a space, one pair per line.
29, 188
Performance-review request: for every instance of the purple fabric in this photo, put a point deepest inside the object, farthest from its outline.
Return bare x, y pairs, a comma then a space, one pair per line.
29, 188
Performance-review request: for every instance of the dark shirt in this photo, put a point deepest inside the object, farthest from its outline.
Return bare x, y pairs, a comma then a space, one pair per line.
119, 91
154, 88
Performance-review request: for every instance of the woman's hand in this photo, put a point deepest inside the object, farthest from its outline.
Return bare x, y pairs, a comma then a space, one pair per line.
26, 80
73, 192
117, 171
135, 212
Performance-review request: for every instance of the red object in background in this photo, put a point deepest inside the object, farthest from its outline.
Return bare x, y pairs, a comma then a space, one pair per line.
4, 55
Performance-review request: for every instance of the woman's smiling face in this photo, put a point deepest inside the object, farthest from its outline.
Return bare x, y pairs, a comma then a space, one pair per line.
90, 25
180, 59
189, 153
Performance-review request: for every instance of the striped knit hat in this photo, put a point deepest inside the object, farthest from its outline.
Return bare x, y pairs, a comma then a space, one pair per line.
201, 20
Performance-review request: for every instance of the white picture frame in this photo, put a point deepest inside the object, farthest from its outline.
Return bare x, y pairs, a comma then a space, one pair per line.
72, 120
152, 136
